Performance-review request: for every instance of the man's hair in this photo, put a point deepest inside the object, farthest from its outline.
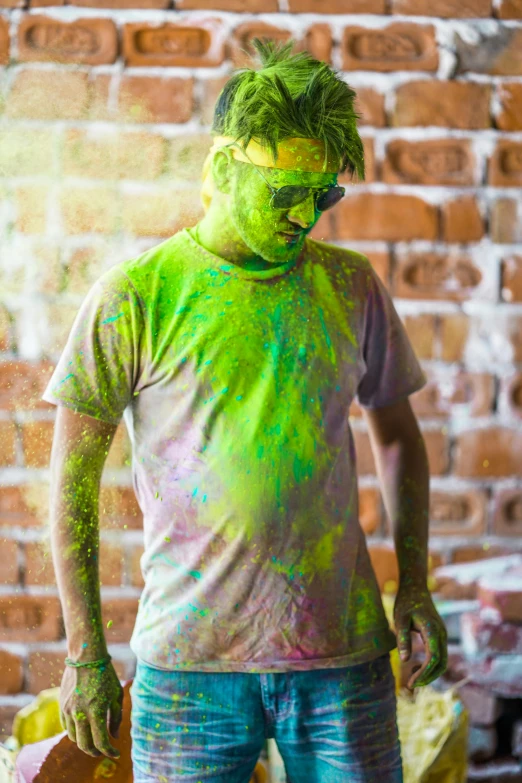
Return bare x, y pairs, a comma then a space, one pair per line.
290, 95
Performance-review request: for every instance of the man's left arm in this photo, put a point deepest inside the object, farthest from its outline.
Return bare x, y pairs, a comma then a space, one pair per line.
402, 467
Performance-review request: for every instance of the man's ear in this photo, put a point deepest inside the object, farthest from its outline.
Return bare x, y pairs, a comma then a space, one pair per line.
222, 170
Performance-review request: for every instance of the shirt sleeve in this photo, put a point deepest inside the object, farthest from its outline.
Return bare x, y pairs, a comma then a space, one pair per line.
392, 369
100, 365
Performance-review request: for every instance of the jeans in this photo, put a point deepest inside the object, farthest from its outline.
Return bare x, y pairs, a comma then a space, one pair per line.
330, 725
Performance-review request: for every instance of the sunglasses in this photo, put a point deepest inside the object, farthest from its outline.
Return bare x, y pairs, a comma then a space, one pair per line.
290, 195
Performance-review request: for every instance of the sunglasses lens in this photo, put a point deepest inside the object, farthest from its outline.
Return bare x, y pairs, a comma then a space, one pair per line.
329, 198
289, 196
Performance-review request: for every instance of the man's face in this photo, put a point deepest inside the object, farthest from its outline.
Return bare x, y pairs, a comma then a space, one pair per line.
277, 235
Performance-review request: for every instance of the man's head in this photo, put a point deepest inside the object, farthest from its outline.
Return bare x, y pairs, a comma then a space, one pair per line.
290, 124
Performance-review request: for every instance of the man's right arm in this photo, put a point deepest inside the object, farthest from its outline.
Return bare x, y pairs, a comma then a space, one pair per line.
80, 447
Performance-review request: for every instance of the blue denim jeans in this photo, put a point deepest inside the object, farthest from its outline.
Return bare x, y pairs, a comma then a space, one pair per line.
330, 725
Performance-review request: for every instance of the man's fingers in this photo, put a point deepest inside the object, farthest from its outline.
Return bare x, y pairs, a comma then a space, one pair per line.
84, 735
101, 739
70, 726
403, 629
115, 714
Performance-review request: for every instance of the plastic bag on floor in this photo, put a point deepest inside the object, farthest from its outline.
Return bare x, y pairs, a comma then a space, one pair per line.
433, 729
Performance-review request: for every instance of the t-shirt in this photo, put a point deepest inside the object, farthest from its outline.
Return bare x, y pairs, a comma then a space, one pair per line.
235, 387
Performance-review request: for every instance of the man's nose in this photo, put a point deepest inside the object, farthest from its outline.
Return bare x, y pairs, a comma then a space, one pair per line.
303, 213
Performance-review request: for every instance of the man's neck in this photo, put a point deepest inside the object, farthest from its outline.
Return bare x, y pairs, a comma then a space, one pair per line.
218, 237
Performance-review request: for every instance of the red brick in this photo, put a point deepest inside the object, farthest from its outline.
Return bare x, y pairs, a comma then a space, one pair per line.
337, 6
318, 42
6, 335
436, 276
29, 618
136, 577
504, 595
89, 209
11, 673
399, 47
457, 9
370, 510
385, 566
444, 393
187, 154
370, 105
510, 98
510, 9
174, 45
137, 155
461, 220
209, 90
380, 261
48, 95
241, 50
505, 167
507, 517
386, 216
8, 441
45, 670
121, 613
324, 229
162, 213
512, 392
431, 162
9, 572
82, 268
31, 208
505, 221
421, 333
370, 165
482, 637
39, 569
119, 455
7, 713
468, 553
447, 104
454, 333
15, 511
137, 4
458, 581
364, 454
496, 53
119, 509
98, 96
437, 448
458, 513
252, 6
483, 707
4, 41
155, 99
87, 41
25, 152
37, 439
491, 451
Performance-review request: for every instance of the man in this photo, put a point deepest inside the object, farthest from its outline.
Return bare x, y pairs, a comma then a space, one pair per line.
233, 350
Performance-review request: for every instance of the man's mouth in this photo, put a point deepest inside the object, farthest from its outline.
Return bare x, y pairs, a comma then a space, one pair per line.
290, 236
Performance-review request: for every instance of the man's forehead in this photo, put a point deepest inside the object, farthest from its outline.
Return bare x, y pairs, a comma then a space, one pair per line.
290, 177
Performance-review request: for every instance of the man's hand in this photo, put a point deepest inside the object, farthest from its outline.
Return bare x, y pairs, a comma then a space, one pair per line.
86, 695
414, 611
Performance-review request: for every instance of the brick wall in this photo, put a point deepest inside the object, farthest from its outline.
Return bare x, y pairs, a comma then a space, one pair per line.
104, 117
